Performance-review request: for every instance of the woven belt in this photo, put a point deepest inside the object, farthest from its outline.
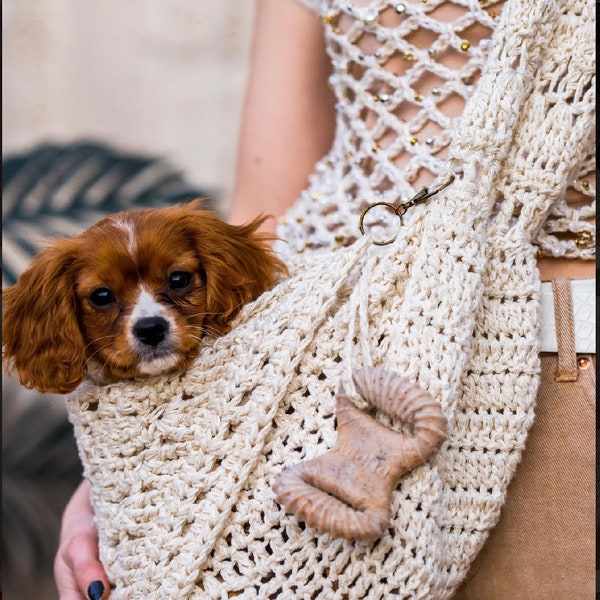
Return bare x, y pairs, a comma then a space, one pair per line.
583, 293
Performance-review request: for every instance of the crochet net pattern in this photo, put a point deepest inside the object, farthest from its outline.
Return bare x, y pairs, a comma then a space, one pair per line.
181, 467
402, 72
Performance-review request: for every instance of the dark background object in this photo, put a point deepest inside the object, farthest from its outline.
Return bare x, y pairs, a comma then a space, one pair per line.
40, 471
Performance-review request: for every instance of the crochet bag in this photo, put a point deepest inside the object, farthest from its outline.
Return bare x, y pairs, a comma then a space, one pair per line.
183, 468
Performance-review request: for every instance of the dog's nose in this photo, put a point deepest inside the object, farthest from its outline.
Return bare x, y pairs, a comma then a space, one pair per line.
151, 330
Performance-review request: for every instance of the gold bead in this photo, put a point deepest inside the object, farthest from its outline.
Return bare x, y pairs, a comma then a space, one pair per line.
417, 97
585, 185
299, 219
413, 141
465, 46
409, 56
583, 239
339, 239
539, 253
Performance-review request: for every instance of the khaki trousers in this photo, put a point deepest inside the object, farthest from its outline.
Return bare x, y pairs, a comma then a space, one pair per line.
543, 547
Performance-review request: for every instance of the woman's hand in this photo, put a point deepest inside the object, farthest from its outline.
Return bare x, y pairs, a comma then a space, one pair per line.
78, 572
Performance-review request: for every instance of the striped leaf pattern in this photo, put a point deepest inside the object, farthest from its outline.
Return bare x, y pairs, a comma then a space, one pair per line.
59, 190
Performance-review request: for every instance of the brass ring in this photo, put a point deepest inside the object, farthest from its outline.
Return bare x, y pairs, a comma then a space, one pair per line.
395, 209
399, 210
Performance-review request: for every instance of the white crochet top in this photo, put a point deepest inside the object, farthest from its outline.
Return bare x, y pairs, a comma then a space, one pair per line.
396, 67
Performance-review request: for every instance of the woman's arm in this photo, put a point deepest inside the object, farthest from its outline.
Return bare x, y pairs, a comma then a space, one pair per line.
288, 119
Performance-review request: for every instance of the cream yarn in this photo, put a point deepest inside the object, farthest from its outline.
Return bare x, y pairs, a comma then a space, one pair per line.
395, 123
181, 468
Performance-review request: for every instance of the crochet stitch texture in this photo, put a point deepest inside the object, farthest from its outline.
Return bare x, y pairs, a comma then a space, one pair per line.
181, 467
395, 122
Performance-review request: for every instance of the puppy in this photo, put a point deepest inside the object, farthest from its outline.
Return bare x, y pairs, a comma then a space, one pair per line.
132, 296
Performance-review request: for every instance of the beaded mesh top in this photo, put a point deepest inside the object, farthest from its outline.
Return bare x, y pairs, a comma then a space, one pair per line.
402, 71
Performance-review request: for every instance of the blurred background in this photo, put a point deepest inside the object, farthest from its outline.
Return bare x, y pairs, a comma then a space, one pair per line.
154, 88
146, 75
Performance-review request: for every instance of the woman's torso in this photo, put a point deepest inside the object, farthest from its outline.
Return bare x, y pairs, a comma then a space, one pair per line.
402, 74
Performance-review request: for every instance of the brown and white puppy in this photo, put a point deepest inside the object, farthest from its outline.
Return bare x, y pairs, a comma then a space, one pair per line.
132, 296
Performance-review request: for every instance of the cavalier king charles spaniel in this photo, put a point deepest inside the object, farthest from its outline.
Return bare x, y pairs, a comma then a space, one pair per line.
132, 296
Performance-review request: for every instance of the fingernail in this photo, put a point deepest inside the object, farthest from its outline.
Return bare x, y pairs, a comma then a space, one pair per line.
96, 590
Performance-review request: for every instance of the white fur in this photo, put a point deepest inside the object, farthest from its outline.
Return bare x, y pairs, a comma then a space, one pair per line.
158, 365
147, 306
129, 229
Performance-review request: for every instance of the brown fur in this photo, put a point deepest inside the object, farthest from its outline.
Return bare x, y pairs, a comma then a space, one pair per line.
51, 332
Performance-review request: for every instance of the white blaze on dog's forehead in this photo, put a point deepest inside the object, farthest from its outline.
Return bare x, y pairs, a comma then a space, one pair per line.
129, 228
146, 306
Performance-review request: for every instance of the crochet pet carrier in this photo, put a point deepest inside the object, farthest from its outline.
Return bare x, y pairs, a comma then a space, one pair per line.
186, 470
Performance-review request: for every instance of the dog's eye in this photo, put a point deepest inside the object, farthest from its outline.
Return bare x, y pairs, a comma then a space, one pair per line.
179, 280
101, 298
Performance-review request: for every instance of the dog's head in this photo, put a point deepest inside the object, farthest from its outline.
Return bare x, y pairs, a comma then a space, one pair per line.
131, 296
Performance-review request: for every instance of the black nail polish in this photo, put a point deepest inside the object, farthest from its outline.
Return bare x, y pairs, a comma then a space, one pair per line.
96, 590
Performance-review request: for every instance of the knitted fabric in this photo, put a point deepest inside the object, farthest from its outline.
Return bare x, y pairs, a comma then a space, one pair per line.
181, 467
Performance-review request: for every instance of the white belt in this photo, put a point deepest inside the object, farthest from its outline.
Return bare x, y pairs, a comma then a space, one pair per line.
583, 292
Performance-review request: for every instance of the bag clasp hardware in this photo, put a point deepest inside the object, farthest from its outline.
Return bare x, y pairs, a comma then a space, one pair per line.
400, 210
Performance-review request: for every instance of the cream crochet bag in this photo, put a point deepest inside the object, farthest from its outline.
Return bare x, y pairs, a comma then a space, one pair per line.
182, 468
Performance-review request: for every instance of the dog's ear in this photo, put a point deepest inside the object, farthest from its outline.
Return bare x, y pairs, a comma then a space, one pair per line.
238, 264
42, 341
